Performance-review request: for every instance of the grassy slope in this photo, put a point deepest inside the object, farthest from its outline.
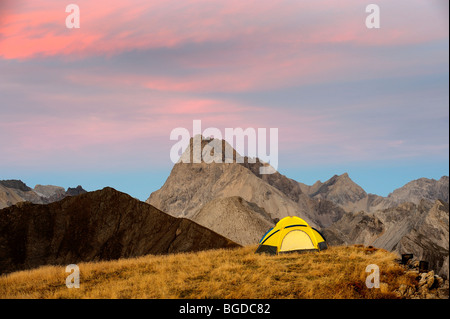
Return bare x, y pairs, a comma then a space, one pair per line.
338, 272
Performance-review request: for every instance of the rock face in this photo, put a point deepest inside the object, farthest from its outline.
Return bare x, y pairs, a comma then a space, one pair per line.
190, 186
430, 239
338, 189
421, 229
15, 184
15, 191
422, 188
233, 217
50, 192
202, 192
100, 225
428, 285
8, 197
75, 191
345, 193
412, 219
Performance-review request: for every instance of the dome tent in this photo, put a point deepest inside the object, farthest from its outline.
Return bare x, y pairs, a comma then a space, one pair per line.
291, 234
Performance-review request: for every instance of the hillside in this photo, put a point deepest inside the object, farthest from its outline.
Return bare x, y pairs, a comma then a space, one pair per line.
336, 273
235, 218
100, 225
421, 229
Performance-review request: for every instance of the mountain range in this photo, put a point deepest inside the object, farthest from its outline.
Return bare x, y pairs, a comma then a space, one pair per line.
421, 229
192, 185
342, 191
232, 198
15, 191
219, 205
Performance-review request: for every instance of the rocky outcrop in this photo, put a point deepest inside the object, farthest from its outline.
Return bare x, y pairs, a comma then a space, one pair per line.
427, 285
100, 225
429, 240
421, 229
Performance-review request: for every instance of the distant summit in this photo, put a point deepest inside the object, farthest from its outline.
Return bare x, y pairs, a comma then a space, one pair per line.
15, 184
16, 191
338, 189
342, 191
422, 188
75, 191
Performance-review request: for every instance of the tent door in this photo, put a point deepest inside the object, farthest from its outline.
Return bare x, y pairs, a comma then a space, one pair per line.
296, 240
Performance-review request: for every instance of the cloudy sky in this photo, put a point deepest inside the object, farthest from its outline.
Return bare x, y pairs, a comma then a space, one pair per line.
95, 106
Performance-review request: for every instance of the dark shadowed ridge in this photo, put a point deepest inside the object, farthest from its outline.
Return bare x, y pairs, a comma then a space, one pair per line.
15, 184
100, 225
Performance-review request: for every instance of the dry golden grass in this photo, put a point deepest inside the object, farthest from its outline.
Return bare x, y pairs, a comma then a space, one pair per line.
338, 272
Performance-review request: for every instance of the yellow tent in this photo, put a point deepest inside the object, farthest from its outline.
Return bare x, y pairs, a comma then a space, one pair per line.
291, 234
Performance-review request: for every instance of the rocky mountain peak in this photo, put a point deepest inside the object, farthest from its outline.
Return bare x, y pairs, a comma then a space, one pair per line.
15, 184
15, 191
339, 189
75, 191
422, 188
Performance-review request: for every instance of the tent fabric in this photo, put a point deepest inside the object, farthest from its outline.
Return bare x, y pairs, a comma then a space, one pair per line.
291, 234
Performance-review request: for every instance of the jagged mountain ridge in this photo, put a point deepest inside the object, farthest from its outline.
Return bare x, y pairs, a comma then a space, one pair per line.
343, 191
191, 186
338, 189
207, 194
348, 214
15, 191
100, 225
422, 188
412, 219
421, 229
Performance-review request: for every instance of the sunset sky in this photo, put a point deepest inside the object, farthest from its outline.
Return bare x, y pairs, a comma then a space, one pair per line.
95, 106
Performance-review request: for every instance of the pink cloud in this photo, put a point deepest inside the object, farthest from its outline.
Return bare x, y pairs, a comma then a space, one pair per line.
240, 46
54, 134
116, 26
